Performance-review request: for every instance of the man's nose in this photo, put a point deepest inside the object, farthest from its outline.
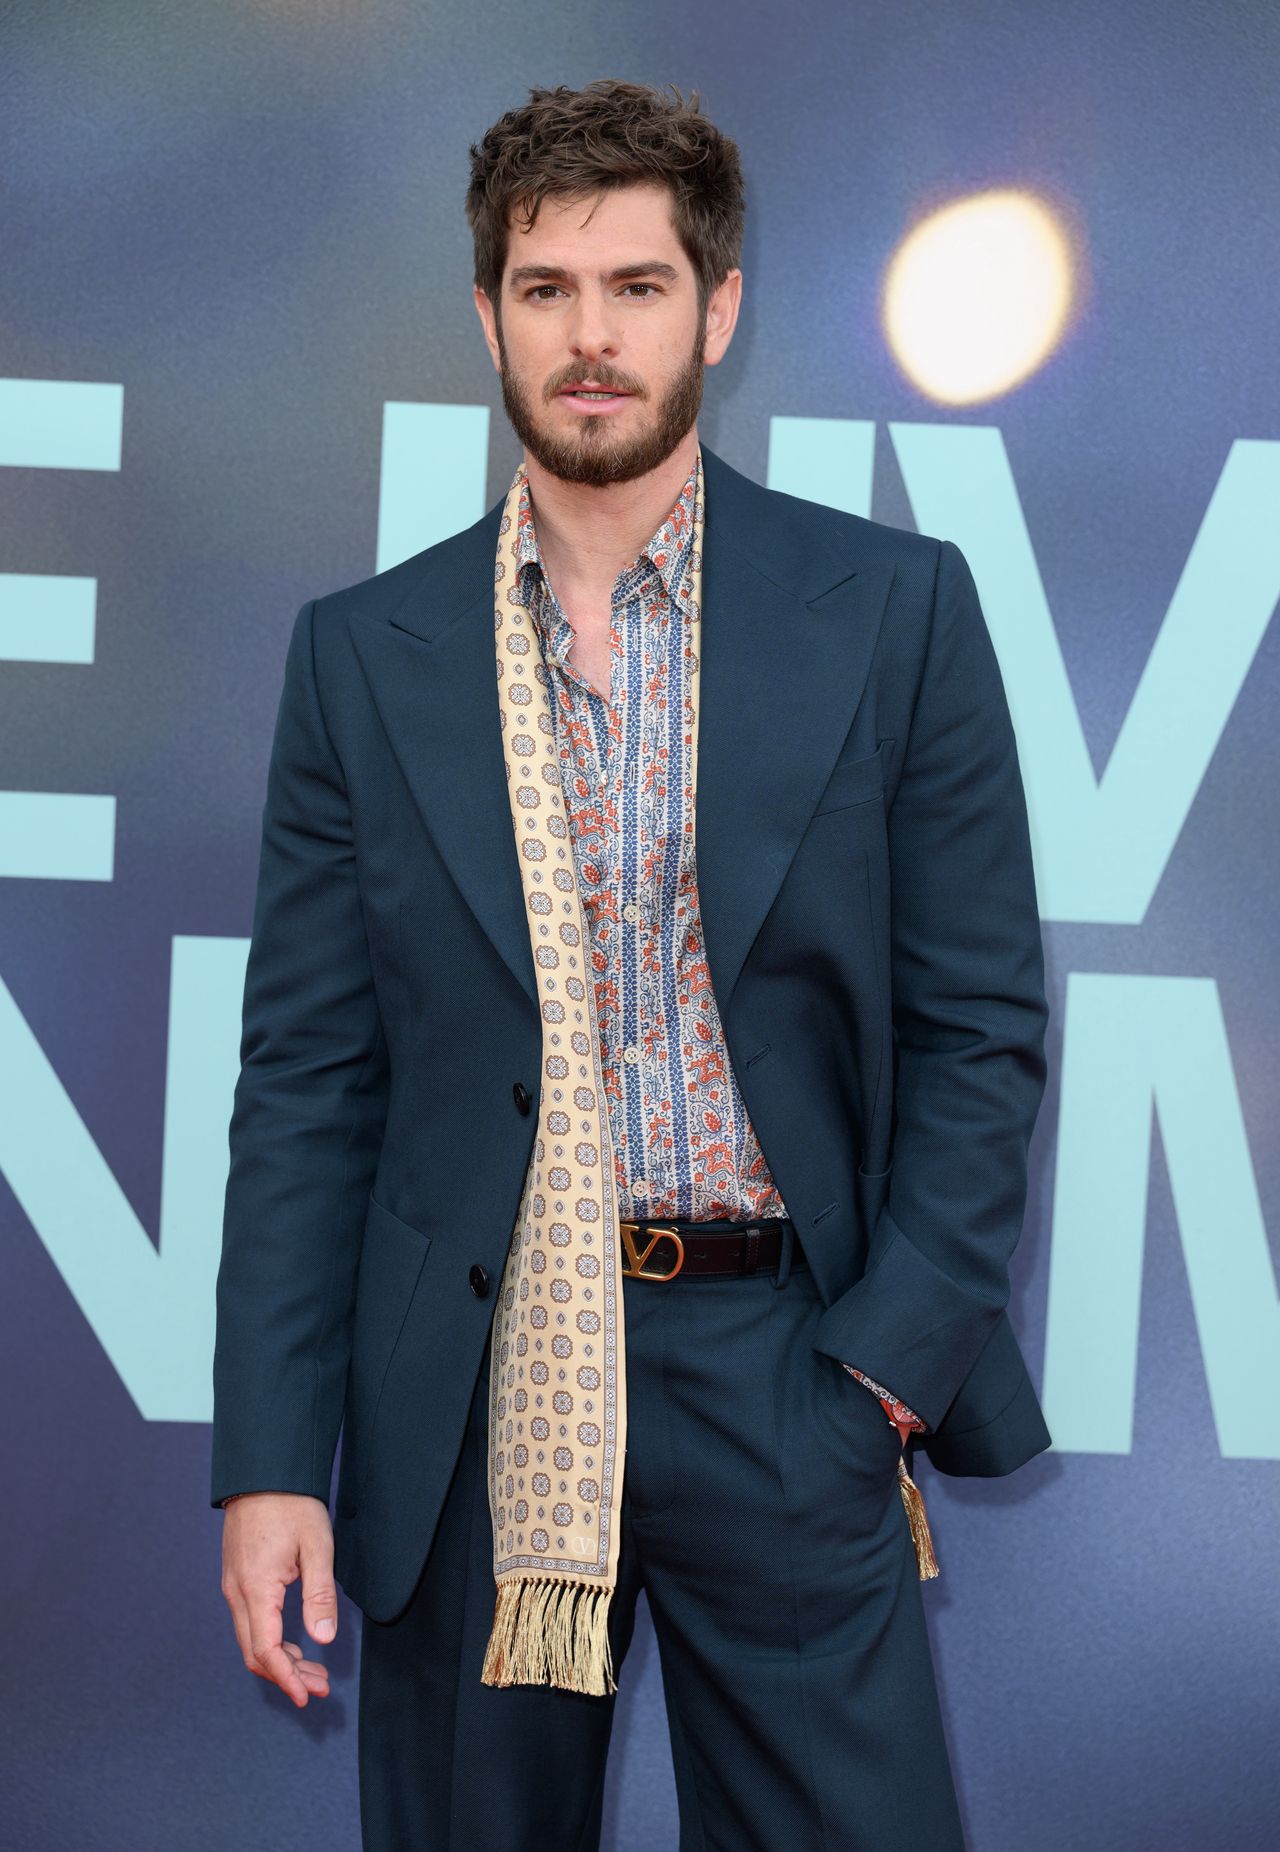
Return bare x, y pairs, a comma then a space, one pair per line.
593, 331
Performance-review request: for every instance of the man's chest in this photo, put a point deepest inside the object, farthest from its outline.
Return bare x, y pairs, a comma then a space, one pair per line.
591, 651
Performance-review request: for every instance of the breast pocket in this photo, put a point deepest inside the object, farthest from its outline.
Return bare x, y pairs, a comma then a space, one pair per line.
855, 781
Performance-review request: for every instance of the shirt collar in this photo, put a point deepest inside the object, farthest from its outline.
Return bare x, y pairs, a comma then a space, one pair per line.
667, 549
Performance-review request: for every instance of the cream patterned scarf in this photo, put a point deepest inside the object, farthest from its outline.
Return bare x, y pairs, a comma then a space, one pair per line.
557, 1386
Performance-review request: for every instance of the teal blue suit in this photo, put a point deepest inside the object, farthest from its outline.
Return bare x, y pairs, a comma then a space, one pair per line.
872, 934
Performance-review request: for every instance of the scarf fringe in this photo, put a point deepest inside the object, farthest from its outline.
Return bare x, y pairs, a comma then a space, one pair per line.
550, 1631
926, 1561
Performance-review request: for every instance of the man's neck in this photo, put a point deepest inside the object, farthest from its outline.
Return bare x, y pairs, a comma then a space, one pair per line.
587, 536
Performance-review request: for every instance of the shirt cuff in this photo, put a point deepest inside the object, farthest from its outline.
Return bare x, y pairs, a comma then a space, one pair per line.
903, 1418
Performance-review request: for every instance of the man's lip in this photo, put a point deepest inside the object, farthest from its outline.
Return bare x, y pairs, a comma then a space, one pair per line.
617, 390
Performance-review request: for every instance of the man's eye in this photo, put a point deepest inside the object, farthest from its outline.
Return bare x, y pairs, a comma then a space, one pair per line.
539, 287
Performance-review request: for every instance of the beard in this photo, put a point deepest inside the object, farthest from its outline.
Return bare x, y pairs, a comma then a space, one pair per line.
595, 453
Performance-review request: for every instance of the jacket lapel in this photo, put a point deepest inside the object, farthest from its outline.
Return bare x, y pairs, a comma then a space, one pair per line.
788, 632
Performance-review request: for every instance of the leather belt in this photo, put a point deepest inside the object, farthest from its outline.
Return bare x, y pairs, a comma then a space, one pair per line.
667, 1248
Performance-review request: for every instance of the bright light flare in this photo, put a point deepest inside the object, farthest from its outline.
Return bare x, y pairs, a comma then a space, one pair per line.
976, 297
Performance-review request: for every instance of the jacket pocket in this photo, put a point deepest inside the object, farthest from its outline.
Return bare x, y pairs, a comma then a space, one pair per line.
391, 1257
854, 781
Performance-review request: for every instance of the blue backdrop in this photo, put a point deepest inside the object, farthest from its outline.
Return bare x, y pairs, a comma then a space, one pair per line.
235, 311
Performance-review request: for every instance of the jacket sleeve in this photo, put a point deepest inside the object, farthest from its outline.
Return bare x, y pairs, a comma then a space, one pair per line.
969, 1018
307, 1120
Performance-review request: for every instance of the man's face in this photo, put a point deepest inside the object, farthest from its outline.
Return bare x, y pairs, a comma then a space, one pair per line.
569, 319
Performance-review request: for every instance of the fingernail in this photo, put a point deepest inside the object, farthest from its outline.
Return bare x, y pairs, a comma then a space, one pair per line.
324, 1630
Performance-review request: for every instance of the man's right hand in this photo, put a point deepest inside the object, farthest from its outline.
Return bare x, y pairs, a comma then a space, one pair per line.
269, 1539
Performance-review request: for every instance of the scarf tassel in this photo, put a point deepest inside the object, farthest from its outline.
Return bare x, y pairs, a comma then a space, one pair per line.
926, 1561
550, 1631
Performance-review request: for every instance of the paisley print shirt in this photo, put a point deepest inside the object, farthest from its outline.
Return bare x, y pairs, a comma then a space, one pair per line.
683, 1143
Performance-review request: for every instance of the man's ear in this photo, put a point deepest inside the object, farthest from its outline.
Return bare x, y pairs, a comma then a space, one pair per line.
488, 322
722, 318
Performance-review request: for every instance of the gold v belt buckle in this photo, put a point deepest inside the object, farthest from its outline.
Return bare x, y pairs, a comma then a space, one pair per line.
633, 1267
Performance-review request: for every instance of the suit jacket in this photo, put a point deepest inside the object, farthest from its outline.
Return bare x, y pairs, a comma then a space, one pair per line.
872, 936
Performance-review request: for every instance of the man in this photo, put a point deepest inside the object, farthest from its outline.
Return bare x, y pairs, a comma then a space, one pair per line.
580, 1159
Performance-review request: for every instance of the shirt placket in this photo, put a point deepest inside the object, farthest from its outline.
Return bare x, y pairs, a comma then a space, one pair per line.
640, 1058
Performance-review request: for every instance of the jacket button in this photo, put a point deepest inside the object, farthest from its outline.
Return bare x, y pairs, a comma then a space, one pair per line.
479, 1278
522, 1097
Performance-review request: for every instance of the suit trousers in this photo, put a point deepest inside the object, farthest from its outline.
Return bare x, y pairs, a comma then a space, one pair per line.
761, 1515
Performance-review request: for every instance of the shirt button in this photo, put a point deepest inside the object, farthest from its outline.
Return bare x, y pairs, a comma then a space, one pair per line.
640, 1186
631, 1053
631, 912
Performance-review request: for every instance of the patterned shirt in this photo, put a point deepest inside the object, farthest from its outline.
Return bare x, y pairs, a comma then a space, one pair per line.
683, 1142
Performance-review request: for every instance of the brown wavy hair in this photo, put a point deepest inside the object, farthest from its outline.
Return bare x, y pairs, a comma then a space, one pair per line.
567, 143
